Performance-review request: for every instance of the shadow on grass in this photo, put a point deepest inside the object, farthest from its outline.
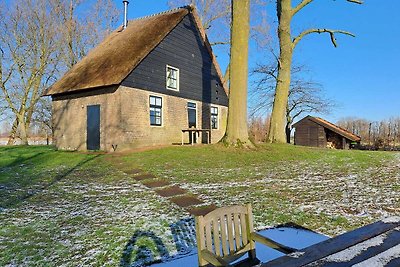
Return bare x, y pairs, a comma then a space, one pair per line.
15, 147
145, 247
15, 202
19, 159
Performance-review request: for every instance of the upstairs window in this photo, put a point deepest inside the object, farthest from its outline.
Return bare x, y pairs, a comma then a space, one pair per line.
214, 117
172, 78
155, 110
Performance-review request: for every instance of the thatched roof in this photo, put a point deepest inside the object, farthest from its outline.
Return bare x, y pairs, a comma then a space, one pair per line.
113, 59
332, 127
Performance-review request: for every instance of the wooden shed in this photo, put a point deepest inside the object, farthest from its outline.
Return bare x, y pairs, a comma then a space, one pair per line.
317, 132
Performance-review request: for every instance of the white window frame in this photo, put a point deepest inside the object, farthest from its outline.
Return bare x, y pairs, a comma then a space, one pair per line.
166, 78
211, 116
161, 111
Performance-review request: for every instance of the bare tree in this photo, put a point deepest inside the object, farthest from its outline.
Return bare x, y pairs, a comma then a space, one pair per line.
304, 96
39, 40
258, 128
376, 134
396, 134
42, 116
29, 58
285, 14
84, 24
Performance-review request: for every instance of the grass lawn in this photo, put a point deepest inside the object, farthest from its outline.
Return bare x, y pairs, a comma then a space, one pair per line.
82, 209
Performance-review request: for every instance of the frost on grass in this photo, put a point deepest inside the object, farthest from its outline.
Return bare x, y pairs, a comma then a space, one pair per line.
93, 217
318, 195
101, 217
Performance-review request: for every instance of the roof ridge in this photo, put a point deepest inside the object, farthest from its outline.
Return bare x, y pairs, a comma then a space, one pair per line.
188, 7
338, 126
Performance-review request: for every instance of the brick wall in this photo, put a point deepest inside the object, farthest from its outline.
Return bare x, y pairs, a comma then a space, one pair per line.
125, 119
69, 118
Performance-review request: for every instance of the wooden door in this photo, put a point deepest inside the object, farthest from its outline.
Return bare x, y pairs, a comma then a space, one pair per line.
93, 127
192, 120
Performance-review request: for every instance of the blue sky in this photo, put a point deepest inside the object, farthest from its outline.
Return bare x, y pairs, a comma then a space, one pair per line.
361, 74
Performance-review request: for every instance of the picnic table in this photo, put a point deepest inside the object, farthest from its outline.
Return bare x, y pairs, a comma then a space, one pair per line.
195, 132
374, 245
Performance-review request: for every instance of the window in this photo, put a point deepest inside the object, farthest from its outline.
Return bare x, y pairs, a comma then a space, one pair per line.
172, 78
192, 114
214, 117
155, 110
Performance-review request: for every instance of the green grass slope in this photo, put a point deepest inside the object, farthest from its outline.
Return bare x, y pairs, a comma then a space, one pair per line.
81, 209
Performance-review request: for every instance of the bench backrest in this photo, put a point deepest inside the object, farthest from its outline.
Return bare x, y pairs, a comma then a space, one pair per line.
225, 232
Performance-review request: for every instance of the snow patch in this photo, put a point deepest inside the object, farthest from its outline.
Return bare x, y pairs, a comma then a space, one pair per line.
352, 252
296, 254
381, 259
394, 219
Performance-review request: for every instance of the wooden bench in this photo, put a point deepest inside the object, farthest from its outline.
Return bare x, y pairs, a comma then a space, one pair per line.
226, 234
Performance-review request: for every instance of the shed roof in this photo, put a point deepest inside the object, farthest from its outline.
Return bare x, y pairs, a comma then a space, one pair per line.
122, 51
332, 127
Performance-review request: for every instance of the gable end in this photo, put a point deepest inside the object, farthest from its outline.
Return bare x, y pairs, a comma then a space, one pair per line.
185, 49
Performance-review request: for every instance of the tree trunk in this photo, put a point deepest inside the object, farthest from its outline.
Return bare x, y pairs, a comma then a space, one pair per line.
13, 133
19, 124
278, 116
236, 132
288, 130
23, 132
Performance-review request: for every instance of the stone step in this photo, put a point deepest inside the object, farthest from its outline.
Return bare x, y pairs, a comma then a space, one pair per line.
171, 191
186, 201
144, 176
202, 210
156, 183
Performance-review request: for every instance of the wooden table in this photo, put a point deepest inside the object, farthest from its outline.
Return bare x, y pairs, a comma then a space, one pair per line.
374, 245
193, 131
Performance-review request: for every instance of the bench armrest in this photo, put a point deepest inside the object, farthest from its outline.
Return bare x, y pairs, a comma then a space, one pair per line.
271, 243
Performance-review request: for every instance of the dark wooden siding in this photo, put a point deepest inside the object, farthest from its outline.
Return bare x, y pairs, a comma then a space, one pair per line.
309, 133
183, 49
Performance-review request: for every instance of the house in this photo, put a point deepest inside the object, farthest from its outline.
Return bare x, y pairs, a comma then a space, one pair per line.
141, 87
317, 132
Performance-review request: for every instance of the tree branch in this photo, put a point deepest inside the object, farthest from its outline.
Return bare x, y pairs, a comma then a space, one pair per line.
356, 1
306, 2
331, 33
220, 43
301, 6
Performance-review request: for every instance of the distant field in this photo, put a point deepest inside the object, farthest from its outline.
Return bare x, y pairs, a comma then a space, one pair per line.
31, 141
81, 209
